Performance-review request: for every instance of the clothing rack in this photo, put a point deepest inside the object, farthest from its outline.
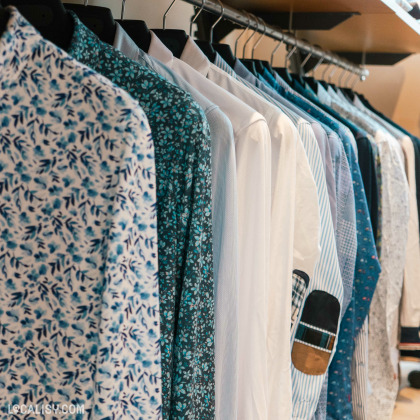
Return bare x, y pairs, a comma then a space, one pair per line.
241, 18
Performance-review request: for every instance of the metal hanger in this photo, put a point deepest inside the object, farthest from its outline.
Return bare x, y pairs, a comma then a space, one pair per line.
166, 14
335, 67
217, 21
328, 65
358, 79
252, 35
242, 33
306, 59
196, 16
275, 50
123, 9
260, 38
340, 78
315, 68
290, 53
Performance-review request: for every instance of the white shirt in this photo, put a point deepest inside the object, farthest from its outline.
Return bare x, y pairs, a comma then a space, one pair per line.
246, 387
224, 218
288, 159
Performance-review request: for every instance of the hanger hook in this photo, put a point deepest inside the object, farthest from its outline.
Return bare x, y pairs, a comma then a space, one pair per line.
260, 38
328, 65
122, 9
243, 32
290, 53
315, 68
357, 80
306, 59
340, 78
249, 39
346, 82
275, 50
166, 13
222, 8
335, 67
196, 16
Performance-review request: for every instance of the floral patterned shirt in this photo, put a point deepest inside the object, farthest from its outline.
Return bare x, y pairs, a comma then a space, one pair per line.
183, 177
79, 307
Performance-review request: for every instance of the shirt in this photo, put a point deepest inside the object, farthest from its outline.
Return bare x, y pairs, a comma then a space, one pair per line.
224, 219
79, 291
183, 172
252, 146
366, 271
303, 264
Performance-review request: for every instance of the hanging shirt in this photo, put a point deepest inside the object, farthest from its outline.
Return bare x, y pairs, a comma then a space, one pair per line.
246, 385
183, 171
225, 220
410, 304
367, 267
79, 304
320, 131
283, 150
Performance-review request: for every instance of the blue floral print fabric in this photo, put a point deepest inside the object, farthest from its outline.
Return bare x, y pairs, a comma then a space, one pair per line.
183, 177
79, 297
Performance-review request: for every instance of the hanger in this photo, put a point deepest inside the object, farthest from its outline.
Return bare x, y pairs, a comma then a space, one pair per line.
275, 50
48, 16
174, 39
347, 90
136, 29
208, 47
98, 19
298, 77
261, 65
242, 33
225, 51
311, 80
249, 64
284, 72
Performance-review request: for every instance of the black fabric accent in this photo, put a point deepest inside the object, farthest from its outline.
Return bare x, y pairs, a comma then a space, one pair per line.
416, 144
414, 379
368, 171
410, 353
303, 276
410, 335
321, 310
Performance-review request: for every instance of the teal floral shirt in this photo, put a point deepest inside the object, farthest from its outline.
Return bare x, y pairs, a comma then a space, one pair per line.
183, 176
79, 296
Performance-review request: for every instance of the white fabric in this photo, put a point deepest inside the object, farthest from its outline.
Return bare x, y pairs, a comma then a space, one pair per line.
224, 217
359, 374
383, 319
248, 390
288, 159
410, 304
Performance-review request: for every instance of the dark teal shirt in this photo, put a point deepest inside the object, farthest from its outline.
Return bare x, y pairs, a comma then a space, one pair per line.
183, 176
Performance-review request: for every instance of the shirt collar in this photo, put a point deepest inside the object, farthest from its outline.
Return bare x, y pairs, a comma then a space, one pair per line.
17, 44
222, 64
193, 56
85, 45
243, 72
159, 50
123, 43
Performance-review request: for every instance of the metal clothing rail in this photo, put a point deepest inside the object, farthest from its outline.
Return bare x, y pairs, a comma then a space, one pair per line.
241, 18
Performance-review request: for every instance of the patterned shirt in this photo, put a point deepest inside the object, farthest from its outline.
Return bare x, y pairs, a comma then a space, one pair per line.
183, 178
366, 274
79, 308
